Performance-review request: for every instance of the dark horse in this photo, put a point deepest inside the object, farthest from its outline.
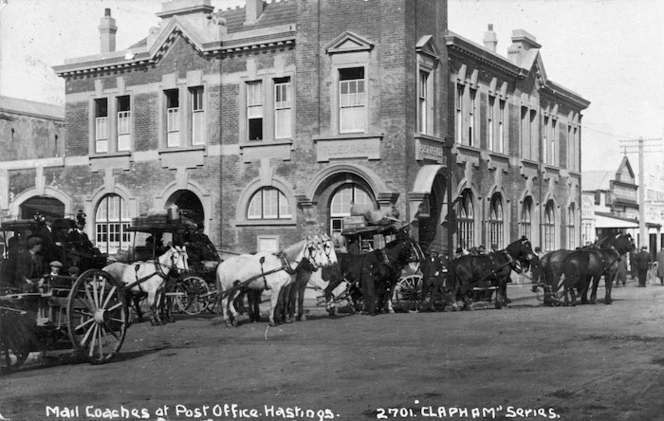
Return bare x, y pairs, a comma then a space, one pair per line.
292, 295
375, 272
589, 264
550, 268
489, 270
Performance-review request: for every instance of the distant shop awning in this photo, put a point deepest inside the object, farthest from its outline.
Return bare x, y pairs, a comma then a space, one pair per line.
606, 221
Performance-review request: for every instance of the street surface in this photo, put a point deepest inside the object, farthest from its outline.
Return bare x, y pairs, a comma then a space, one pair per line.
527, 362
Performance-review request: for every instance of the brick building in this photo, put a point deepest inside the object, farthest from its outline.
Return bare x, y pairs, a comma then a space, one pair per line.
517, 145
266, 122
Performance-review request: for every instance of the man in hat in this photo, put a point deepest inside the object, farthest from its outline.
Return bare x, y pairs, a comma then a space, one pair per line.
56, 267
47, 234
30, 265
642, 263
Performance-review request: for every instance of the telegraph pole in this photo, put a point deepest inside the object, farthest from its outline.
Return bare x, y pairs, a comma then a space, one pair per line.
628, 145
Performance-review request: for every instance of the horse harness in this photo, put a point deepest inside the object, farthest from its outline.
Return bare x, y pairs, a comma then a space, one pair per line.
510, 261
158, 271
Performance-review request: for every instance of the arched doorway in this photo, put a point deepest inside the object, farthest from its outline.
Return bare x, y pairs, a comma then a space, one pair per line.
189, 204
44, 205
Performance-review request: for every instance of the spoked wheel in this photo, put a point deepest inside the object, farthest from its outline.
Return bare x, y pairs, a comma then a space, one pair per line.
408, 293
192, 295
97, 316
14, 339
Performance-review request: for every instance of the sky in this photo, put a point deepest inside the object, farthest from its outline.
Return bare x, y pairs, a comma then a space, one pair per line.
611, 52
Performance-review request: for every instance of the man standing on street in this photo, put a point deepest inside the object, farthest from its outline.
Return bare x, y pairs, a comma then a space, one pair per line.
641, 262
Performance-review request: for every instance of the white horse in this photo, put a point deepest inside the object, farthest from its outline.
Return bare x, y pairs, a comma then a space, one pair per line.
264, 271
150, 277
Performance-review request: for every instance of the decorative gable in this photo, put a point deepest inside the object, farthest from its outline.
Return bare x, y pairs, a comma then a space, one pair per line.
625, 173
349, 42
427, 46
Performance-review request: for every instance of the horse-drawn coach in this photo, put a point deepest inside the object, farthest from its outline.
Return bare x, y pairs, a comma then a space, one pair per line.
42, 310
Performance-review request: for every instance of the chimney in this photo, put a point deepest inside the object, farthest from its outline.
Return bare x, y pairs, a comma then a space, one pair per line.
490, 39
253, 9
107, 30
522, 41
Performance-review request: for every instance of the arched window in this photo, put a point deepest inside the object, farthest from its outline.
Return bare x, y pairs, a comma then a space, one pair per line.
571, 231
525, 224
111, 223
496, 220
268, 203
549, 227
466, 219
341, 201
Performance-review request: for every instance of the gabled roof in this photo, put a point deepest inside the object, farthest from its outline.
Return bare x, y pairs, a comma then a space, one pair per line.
530, 63
625, 166
31, 108
598, 180
220, 32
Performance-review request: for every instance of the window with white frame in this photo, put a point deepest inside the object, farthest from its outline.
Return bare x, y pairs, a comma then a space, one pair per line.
571, 227
501, 126
496, 220
534, 134
112, 221
472, 114
197, 115
124, 122
465, 211
341, 201
525, 223
255, 110
549, 227
459, 112
352, 100
425, 102
268, 203
172, 117
491, 112
545, 145
282, 108
526, 149
101, 125
552, 142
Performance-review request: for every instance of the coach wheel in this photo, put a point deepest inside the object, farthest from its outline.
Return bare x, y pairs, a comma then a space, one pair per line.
192, 295
97, 316
408, 293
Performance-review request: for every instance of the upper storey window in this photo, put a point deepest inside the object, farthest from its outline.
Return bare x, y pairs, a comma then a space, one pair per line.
352, 100
101, 125
282, 108
197, 115
255, 110
124, 123
172, 117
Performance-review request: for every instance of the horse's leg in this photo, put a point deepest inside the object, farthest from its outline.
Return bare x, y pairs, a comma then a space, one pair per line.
153, 297
369, 292
608, 285
330, 305
274, 298
280, 309
233, 315
301, 288
254, 301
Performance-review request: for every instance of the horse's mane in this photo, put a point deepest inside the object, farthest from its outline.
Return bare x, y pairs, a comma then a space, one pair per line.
293, 251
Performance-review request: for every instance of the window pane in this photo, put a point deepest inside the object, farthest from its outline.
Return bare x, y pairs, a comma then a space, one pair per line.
255, 207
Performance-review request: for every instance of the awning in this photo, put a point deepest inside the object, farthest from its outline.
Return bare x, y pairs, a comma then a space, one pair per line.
603, 221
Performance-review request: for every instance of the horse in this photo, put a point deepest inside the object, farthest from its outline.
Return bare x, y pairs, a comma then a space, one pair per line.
469, 271
589, 264
264, 271
150, 277
375, 272
550, 268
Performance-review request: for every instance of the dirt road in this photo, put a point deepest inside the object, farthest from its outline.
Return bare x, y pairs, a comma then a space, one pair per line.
527, 362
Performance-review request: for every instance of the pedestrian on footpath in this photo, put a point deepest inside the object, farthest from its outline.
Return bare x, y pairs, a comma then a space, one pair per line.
642, 262
622, 271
